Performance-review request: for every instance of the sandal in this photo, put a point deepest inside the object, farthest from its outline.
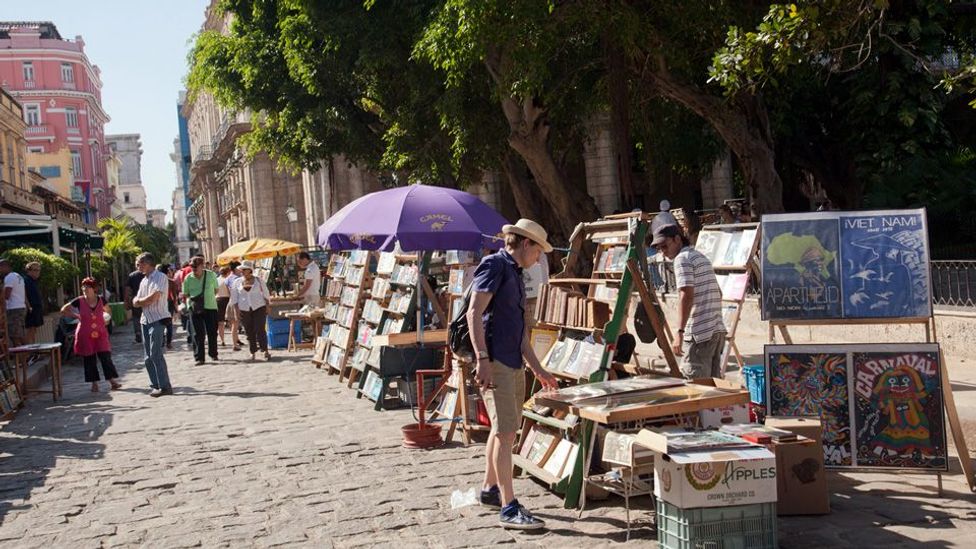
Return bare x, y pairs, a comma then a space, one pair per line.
116, 385
237, 346
267, 355
94, 388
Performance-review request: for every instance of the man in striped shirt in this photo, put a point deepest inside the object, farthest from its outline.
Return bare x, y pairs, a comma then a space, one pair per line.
701, 331
152, 297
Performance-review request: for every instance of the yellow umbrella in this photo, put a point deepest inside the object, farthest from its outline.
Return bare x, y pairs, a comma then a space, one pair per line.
258, 248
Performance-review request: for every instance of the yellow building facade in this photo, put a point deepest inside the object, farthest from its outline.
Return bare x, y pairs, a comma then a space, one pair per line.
56, 169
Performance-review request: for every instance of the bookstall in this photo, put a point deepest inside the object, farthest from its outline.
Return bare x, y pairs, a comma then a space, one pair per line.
881, 404
349, 275
587, 331
10, 399
730, 249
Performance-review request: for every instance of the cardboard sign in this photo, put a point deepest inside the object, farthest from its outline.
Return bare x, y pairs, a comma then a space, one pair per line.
801, 480
837, 265
716, 479
880, 405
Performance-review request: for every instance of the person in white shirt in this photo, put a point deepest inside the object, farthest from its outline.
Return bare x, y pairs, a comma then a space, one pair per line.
313, 280
16, 298
249, 298
152, 299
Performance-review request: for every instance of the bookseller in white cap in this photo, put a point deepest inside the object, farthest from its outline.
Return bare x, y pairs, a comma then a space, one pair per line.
499, 335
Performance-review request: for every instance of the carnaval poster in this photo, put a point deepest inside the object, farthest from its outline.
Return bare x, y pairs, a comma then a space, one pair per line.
885, 265
800, 268
813, 384
846, 265
880, 405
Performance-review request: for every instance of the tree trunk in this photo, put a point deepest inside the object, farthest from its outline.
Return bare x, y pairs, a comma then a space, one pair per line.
620, 123
529, 201
742, 125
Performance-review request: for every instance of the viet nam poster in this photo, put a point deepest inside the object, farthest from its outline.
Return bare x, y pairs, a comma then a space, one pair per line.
800, 268
881, 405
885, 265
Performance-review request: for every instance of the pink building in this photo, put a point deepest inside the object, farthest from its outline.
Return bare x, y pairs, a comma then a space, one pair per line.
60, 91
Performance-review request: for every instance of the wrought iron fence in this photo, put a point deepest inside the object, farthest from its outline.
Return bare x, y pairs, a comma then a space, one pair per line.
953, 282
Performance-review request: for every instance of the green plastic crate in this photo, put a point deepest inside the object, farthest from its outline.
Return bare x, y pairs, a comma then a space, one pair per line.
733, 527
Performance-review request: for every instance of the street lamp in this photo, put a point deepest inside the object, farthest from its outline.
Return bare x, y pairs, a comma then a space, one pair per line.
291, 213
221, 232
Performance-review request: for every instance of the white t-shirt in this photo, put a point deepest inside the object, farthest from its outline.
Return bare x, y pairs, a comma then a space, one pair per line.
17, 296
535, 276
311, 297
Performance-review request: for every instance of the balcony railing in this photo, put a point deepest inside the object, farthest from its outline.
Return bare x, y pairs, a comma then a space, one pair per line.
21, 199
40, 129
202, 153
29, 84
74, 131
68, 85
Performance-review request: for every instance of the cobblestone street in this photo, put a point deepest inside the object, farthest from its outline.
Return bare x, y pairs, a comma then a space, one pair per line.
266, 454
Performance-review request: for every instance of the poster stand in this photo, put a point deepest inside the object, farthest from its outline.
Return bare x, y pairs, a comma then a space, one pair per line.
869, 248
732, 261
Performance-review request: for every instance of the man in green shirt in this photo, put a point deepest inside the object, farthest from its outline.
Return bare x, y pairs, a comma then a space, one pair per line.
200, 293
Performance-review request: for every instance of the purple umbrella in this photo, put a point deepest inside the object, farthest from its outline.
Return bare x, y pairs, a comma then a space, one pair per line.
420, 217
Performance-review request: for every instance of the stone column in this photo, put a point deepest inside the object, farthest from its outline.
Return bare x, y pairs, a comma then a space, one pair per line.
716, 187
602, 182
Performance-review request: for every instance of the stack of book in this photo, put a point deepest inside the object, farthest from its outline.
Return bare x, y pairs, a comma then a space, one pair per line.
386, 263
673, 440
574, 358
404, 275
546, 449
759, 434
458, 257
611, 260
564, 307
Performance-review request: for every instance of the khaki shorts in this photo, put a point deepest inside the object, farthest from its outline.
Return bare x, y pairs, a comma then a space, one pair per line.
504, 401
703, 358
15, 322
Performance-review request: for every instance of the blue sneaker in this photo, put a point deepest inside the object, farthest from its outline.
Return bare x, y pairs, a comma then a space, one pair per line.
517, 517
491, 497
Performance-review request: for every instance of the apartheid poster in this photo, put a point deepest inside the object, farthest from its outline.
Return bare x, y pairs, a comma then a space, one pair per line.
800, 274
846, 265
880, 405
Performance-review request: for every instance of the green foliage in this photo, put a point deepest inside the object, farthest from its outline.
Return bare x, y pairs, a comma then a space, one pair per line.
100, 268
55, 271
156, 241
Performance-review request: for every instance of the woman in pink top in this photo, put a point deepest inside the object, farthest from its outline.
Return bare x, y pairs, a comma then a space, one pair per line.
91, 336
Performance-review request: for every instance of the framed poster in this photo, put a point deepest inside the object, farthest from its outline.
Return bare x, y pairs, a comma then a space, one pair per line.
881, 405
846, 265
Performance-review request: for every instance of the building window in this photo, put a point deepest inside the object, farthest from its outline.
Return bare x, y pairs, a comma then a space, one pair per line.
32, 114
125, 197
76, 164
37, 150
71, 115
67, 73
50, 171
28, 71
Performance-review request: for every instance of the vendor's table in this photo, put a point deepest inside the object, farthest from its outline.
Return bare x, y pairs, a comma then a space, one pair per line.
314, 319
278, 306
23, 353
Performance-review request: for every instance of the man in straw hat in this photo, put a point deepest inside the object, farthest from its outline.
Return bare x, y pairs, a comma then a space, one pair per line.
499, 335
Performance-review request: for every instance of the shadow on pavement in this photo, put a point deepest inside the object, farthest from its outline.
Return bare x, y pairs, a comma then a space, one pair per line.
190, 391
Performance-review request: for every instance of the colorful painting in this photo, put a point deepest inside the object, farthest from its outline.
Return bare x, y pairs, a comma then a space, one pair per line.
881, 405
885, 266
898, 415
813, 384
837, 265
799, 268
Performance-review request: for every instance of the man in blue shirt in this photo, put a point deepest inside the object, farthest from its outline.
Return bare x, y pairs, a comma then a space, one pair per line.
500, 338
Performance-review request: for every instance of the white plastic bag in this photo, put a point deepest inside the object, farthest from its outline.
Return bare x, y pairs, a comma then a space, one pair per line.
463, 499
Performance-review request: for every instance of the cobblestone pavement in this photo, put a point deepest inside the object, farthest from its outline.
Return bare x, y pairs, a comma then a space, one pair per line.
278, 454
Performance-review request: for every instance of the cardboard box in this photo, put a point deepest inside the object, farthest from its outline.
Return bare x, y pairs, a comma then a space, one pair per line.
801, 480
805, 426
713, 418
716, 479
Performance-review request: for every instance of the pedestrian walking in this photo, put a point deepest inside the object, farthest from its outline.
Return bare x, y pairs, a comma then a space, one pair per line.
701, 331
250, 299
200, 292
232, 317
167, 271
501, 342
15, 297
131, 289
91, 336
223, 299
151, 298
35, 304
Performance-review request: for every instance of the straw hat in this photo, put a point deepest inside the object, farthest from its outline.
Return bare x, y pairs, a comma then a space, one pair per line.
248, 264
531, 230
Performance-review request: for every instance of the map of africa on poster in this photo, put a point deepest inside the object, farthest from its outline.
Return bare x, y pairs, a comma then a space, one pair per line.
799, 268
812, 384
885, 265
846, 265
898, 417
881, 405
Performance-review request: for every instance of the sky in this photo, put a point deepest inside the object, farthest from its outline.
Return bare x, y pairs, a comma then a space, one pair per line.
140, 47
